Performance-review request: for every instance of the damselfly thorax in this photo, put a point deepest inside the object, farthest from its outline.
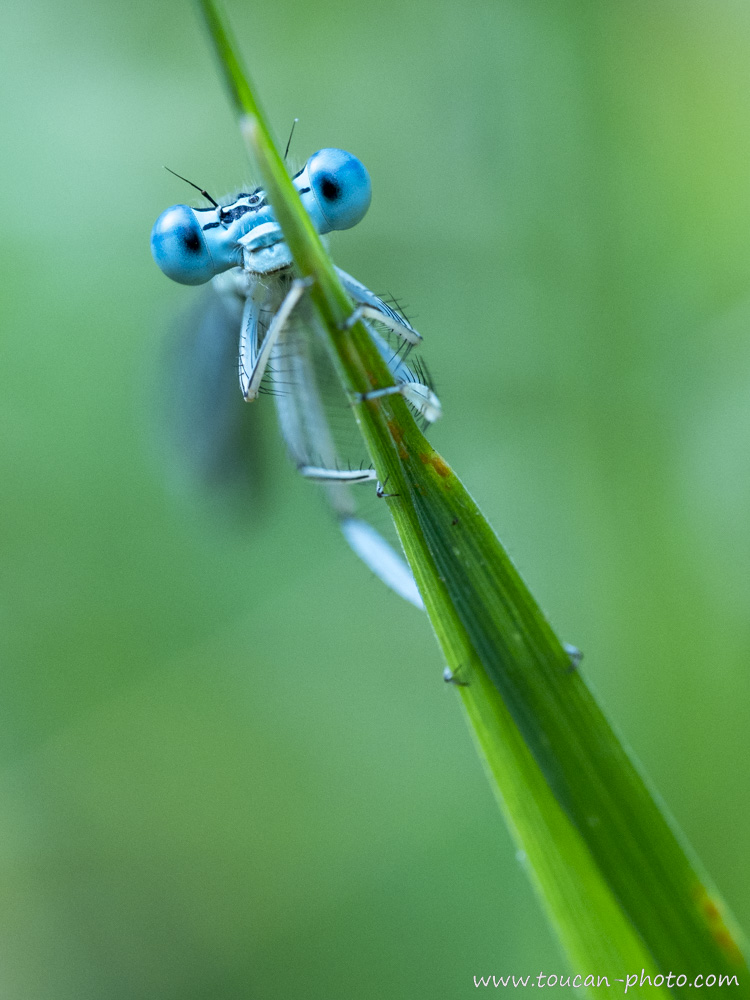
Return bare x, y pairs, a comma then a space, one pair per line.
239, 247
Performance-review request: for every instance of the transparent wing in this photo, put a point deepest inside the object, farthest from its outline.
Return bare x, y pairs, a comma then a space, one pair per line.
315, 417
206, 435
321, 435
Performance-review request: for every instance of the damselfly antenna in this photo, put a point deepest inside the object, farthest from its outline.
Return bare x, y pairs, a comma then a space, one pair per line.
289, 140
197, 188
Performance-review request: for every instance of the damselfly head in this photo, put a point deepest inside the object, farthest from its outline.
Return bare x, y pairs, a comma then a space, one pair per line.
192, 246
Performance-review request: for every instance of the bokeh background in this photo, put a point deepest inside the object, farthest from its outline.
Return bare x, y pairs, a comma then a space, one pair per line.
230, 768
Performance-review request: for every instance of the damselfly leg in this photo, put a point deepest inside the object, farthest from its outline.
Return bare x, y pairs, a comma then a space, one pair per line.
255, 353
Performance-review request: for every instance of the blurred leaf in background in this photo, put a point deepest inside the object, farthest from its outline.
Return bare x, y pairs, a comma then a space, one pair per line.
217, 779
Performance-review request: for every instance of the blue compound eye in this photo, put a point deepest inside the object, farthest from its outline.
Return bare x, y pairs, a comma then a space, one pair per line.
340, 186
178, 246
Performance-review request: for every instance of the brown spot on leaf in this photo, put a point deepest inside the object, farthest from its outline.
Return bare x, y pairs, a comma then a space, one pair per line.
398, 439
432, 458
718, 929
711, 910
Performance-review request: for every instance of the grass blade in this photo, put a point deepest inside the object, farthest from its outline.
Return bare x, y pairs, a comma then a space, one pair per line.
618, 883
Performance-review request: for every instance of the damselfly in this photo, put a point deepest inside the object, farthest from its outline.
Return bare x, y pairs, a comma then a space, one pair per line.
239, 248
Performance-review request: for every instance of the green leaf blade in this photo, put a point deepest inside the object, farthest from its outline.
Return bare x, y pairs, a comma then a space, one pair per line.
622, 890
594, 781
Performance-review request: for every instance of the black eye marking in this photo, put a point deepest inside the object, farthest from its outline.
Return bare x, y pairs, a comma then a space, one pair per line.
211, 225
330, 188
192, 242
302, 190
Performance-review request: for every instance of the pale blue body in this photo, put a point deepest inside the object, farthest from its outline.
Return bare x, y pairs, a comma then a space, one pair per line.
240, 248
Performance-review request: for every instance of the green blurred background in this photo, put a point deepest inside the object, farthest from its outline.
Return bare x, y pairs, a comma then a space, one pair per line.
230, 768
